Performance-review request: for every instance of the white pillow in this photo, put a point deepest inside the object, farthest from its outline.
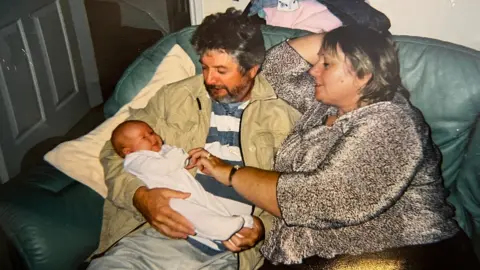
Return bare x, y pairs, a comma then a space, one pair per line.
79, 158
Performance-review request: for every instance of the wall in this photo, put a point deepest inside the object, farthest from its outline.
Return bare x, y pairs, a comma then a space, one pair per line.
213, 6
201, 8
450, 20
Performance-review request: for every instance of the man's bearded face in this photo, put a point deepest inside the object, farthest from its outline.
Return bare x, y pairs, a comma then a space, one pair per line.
223, 79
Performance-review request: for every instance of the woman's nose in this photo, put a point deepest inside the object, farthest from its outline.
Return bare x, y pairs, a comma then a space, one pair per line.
315, 71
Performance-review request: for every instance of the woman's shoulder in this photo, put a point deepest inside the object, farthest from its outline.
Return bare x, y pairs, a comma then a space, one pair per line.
398, 112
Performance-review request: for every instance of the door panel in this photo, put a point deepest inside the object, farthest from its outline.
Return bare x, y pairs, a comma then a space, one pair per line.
42, 83
54, 44
18, 82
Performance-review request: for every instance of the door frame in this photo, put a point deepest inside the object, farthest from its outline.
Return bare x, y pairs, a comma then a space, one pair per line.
196, 12
3, 169
85, 46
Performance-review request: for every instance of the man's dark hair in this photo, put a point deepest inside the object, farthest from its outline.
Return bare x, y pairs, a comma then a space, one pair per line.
234, 33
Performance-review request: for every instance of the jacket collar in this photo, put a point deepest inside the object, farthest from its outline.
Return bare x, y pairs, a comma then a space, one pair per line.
262, 90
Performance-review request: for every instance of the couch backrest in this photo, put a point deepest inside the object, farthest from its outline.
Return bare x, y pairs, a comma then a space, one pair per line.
444, 81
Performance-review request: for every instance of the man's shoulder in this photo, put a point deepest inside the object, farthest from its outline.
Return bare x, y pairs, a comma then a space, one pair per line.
196, 79
191, 84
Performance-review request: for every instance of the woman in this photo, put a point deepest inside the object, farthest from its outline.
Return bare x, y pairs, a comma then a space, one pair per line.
358, 173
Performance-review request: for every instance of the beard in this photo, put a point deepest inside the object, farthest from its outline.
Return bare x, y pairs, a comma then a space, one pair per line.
234, 94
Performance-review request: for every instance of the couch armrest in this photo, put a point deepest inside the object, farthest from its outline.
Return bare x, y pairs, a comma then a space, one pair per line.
53, 220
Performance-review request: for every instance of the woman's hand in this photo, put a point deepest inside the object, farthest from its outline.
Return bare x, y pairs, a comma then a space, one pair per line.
209, 165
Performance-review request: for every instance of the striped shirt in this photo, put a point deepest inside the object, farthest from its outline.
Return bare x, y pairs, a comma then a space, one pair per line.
223, 141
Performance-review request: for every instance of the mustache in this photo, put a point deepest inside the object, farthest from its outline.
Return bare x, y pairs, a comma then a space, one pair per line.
215, 87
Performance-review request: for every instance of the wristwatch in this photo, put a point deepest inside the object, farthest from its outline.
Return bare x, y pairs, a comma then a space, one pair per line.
232, 172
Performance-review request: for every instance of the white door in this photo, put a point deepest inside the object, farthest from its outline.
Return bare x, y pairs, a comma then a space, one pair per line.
48, 77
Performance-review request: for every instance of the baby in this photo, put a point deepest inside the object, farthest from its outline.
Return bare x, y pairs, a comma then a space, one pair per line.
160, 165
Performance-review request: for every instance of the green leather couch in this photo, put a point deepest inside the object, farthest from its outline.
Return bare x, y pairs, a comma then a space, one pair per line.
54, 221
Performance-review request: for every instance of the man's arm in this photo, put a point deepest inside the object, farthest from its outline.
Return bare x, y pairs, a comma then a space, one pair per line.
122, 185
128, 192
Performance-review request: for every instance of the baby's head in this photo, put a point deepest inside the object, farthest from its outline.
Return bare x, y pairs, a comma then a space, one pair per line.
132, 135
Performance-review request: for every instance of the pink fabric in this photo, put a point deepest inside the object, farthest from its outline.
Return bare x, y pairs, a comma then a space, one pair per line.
311, 16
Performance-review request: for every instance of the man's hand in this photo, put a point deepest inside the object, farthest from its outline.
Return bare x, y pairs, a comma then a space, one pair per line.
153, 204
246, 237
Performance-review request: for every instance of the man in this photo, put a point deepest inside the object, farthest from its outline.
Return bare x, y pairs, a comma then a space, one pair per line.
229, 108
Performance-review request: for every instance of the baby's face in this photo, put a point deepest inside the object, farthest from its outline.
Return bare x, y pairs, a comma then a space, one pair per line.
141, 137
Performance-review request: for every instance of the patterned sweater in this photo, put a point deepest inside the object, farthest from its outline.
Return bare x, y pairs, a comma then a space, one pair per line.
371, 181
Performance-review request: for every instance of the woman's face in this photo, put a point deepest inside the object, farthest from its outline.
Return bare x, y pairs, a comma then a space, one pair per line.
336, 83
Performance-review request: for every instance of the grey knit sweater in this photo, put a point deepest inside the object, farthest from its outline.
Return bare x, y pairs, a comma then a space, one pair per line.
369, 182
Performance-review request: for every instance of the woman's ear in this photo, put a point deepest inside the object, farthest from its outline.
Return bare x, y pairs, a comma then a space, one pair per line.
361, 82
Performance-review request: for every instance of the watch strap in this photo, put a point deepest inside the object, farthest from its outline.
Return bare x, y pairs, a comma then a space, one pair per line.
232, 172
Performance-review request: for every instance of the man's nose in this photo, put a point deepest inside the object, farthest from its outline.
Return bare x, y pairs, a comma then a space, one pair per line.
210, 78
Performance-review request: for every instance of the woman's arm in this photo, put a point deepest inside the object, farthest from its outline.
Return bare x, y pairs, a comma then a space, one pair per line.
256, 185
366, 175
259, 187
128, 192
308, 47
286, 69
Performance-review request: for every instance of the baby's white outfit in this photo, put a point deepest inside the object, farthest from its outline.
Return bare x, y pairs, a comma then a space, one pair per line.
165, 169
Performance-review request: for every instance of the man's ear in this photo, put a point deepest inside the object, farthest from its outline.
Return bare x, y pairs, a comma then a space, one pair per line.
253, 71
126, 150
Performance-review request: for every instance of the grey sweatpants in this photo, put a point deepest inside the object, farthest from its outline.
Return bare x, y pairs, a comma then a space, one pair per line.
149, 249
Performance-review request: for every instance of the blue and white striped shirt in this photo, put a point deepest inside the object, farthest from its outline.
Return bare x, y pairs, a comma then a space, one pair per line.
223, 141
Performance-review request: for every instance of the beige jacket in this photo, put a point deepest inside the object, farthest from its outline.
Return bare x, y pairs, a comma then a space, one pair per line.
175, 115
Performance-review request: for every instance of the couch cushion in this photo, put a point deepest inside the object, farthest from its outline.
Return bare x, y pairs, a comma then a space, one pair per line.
51, 227
79, 158
444, 83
